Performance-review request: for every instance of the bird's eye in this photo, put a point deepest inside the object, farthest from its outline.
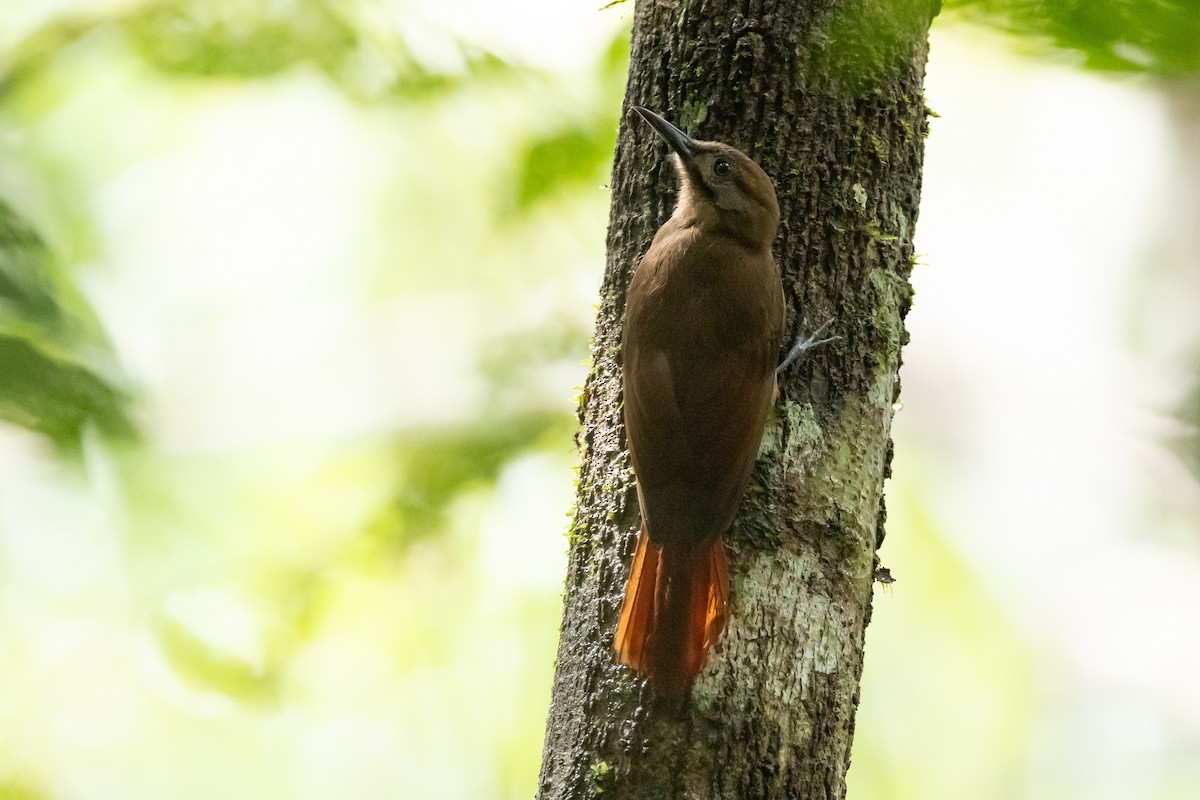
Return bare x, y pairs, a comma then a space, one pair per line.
722, 167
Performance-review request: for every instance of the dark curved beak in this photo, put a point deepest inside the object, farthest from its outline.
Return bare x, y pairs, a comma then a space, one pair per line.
679, 141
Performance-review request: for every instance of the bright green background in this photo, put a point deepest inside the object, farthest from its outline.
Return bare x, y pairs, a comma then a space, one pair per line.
295, 298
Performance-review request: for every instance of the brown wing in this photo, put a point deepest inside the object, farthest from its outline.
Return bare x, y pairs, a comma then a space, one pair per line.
702, 335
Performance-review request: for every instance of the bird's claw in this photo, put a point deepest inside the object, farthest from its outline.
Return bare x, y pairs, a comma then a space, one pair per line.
804, 344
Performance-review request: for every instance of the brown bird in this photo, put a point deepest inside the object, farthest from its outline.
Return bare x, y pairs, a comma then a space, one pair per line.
704, 320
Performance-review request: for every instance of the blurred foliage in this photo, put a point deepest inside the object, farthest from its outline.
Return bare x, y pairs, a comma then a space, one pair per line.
208, 667
562, 161
1157, 37
247, 39
16, 791
965, 651
436, 467
332, 593
26, 58
56, 397
343, 582
25, 283
51, 390
259, 38
1186, 445
46, 382
577, 155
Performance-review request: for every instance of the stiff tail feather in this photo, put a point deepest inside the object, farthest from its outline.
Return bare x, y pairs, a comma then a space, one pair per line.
676, 604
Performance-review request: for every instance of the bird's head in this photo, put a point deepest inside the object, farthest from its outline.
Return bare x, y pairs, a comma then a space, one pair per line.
720, 187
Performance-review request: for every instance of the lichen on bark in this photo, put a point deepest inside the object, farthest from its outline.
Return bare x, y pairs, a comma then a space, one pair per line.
827, 97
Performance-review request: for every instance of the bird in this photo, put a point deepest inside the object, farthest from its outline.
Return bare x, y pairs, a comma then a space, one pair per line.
703, 326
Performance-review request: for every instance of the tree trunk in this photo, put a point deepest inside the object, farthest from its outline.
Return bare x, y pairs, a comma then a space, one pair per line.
827, 97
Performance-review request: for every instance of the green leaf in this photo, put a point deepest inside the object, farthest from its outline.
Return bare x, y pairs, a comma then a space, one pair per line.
564, 160
248, 38
436, 467
48, 382
1157, 37
26, 290
206, 666
57, 397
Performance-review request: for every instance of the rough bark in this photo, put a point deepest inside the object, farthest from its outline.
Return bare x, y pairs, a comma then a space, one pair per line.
827, 97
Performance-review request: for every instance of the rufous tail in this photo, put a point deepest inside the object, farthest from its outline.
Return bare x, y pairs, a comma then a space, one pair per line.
676, 604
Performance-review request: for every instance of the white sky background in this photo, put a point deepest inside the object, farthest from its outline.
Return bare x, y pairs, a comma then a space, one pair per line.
1024, 395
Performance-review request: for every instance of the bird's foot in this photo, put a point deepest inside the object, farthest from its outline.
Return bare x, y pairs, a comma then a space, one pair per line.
804, 344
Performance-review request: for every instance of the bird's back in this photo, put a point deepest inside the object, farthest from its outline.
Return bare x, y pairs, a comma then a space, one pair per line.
702, 334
